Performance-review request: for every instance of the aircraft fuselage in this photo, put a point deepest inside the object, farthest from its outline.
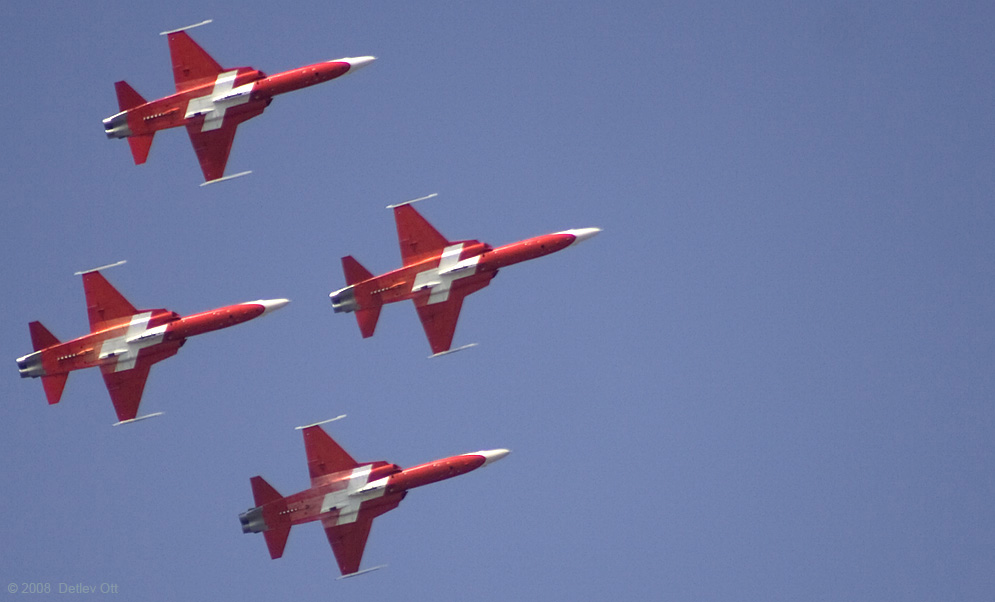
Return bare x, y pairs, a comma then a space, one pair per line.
460, 263
231, 93
120, 342
338, 498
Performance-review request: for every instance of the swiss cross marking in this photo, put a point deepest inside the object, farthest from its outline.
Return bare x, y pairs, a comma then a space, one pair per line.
440, 279
125, 348
348, 500
223, 97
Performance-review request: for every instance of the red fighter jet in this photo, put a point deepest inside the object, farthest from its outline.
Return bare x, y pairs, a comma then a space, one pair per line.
437, 274
124, 342
210, 101
345, 496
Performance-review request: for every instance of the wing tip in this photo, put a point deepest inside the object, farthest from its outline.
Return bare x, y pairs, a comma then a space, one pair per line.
423, 198
137, 418
362, 572
225, 178
205, 22
103, 267
449, 351
307, 426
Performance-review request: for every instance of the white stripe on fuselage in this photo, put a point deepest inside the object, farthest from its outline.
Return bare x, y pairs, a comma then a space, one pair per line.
440, 279
346, 500
223, 97
125, 348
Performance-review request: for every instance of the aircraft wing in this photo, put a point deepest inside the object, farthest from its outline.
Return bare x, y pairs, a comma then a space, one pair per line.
418, 238
324, 455
213, 146
192, 66
126, 386
103, 302
349, 540
439, 319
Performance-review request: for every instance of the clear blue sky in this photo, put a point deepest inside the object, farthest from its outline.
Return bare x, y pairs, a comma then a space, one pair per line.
769, 378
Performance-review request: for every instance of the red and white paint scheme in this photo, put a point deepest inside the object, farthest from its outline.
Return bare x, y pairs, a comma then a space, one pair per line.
124, 342
345, 496
210, 101
437, 274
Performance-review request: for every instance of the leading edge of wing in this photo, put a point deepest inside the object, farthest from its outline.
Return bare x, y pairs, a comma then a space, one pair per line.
324, 455
348, 542
417, 238
439, 319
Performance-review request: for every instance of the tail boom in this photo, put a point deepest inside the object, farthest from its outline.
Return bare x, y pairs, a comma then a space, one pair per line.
33, 364
265, 518
361, 296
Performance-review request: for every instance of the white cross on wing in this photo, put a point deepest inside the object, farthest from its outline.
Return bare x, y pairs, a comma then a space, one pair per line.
223, 97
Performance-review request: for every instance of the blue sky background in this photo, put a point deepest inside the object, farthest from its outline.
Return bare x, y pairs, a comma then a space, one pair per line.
769, 378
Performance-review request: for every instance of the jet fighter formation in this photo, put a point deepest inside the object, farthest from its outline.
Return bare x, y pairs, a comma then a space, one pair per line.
210, 101
437, 274
345, 496
124, 342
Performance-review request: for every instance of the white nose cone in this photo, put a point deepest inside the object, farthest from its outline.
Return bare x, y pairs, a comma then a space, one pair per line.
581, 234
357, 63
492, 455
270, 305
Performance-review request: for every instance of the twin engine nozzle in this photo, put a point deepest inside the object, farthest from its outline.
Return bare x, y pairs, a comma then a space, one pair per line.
344, 300
116, 126
252, 521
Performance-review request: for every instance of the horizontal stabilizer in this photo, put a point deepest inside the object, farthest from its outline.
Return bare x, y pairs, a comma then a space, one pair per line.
54, 385
276, 536
140, 146
354, 272
127, 98
41, 338
262, 492
276, 540
367, 319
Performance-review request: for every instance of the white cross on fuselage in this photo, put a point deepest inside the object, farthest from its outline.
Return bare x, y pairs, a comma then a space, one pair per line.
348, 500
440, 279
223, 97
126, 347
